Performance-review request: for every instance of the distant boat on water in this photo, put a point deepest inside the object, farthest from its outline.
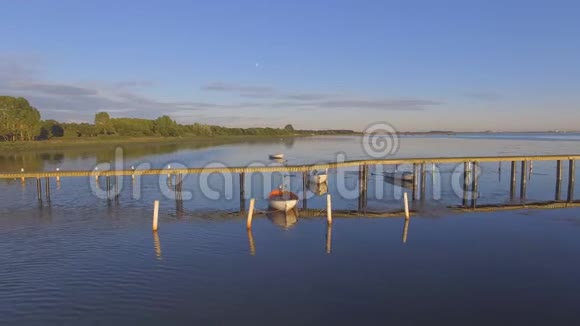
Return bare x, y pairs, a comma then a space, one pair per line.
278, 156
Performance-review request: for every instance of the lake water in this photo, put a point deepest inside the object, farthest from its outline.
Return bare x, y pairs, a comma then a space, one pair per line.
80, 259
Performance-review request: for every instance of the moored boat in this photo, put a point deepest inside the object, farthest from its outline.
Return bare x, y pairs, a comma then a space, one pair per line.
282, 200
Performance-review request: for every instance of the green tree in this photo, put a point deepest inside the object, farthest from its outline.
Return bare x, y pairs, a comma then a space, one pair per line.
18, 119
103, 124
50, 129
289, 128
165, 126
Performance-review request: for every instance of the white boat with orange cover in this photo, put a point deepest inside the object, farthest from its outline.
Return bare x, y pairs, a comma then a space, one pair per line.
282, 200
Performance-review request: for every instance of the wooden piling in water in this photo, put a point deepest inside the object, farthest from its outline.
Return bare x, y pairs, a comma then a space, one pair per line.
155, 215
328, 209
558, 194
475, 185
406, 204
523, 180
423, 183
108, 186
304, 189
360, 187
117, 187
414, 195
513, 181
242, 191
39, 189
571, 179
179, 194
250, 214
47, 188
465, 183
365, 186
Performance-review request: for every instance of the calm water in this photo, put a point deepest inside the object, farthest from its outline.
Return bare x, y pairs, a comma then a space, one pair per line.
84, 260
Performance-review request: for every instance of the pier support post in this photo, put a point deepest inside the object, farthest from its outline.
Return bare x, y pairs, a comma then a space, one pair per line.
250, 214
155, 215
179, 194
328, 209
513, 181
108, 187
414, 195
475, 185
47, 188
571, 179
304, 190
465, 183
423, 183
558, 195
39, 189
523, 180
365, 186
242, 192
117, 187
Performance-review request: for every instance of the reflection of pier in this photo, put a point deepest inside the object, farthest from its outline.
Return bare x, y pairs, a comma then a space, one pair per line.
419, 185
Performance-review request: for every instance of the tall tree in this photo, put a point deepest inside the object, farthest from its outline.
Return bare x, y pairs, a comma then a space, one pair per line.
18, 119
103, 124
165, 126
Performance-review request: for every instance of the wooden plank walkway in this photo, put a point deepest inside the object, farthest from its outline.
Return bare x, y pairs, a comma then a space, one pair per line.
287, 168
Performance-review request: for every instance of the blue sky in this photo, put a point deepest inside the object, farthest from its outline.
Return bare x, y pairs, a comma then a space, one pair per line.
420, 65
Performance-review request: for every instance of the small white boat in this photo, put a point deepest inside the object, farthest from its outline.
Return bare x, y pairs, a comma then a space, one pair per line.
319, 176
278, 156
282, 200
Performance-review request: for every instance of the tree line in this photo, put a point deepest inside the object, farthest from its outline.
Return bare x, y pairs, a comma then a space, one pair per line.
19, 121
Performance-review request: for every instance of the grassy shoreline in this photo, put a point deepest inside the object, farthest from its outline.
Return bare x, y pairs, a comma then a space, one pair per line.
103, 142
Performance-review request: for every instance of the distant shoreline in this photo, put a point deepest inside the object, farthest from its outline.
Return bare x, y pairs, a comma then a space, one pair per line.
113, 141
482, 132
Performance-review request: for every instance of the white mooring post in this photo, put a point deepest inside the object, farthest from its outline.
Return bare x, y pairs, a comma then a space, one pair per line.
250, 214
155, 215
329, 209
406, 203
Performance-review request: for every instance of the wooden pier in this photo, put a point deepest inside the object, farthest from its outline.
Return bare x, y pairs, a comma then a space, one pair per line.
470, 175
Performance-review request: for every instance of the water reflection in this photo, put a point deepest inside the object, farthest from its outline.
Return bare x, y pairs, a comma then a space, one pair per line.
406, 230
252, 243
328, 238
284, 219
157, 245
